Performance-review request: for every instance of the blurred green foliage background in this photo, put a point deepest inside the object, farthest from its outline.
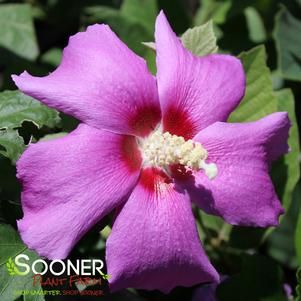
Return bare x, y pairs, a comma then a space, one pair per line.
32, 35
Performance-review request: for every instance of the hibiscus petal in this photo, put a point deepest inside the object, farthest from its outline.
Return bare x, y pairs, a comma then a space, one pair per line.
101, 82
194, 91
154, 242
242, 193
70, 183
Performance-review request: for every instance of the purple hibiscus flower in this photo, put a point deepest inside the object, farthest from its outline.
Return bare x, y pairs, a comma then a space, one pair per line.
146, 147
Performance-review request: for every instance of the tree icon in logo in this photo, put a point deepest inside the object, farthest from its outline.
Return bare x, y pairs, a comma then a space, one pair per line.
11, 268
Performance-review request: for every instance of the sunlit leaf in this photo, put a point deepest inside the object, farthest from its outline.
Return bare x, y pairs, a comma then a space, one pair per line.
200, 40
259, 99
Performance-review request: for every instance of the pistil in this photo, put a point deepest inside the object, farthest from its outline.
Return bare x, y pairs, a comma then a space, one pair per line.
164, 149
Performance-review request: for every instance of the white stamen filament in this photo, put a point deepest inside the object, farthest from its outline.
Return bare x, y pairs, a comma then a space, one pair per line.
163, 149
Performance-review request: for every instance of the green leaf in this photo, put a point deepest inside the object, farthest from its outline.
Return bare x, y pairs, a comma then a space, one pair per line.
259, 99
255, 25
10, 285
11, 144
95, 12
211, 221
260, 279
216, 10
16, 31
130, 32
52, 57
143, 12
200, 40
15, 108
288, 42
53, 136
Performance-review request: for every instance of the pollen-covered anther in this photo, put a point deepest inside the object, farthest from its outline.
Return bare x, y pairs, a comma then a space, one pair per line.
163, 149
